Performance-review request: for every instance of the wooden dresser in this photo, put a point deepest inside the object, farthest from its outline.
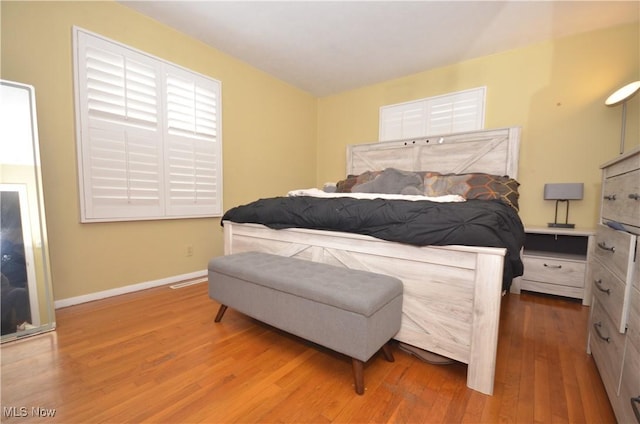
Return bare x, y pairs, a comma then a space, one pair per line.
614, 324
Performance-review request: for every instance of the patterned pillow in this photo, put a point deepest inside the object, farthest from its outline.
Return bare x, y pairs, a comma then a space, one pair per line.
473, 186
470, 186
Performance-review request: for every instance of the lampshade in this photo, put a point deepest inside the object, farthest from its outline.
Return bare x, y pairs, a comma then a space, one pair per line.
563, 191
622, 94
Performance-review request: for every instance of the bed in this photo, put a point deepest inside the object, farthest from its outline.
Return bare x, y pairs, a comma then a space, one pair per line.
452, 292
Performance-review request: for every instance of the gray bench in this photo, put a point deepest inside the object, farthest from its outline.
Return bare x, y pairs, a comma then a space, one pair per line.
349, 311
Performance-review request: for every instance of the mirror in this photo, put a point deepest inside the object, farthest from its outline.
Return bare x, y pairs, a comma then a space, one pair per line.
27, 298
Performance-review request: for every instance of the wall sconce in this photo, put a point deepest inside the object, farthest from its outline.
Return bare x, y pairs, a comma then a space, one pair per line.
563, 193
621, 96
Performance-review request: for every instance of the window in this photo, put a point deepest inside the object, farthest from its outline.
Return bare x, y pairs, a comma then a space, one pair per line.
149, 135
454, 112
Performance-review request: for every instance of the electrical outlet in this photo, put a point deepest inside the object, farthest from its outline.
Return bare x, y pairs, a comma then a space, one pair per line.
189, 250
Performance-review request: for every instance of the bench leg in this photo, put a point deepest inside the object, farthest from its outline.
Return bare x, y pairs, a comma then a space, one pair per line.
358, 375
386, 351
221, 312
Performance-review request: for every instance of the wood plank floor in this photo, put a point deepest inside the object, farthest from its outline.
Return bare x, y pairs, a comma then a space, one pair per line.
157, 356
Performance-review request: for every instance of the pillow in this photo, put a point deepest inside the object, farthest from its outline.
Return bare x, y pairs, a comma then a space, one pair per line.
392, 181
473, 186
329, 187
344, 186
433, 184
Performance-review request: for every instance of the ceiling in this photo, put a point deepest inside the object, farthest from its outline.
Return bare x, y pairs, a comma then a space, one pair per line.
327, 47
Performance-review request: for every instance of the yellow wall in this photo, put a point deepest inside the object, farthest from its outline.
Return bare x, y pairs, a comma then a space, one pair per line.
555, 91
266, 123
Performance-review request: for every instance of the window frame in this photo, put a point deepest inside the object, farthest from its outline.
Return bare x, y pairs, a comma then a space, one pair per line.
196, 193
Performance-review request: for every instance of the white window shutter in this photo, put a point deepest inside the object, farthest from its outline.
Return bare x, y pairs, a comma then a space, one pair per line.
193, 168
119, 115
122, 172
449, 113
149, 135
119, 88
403, 121
457, 112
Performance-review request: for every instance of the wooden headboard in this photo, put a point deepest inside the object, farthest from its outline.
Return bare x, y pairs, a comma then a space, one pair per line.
490, 151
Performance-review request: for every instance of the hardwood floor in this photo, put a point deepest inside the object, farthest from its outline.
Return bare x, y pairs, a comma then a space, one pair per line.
157, 356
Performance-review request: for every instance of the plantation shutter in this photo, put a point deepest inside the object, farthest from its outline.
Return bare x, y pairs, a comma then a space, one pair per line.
449, 113
457, 112
149, 138
193, 148
404, 121
121, 159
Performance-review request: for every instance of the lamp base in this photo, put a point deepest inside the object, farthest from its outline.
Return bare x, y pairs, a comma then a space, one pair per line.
558, 225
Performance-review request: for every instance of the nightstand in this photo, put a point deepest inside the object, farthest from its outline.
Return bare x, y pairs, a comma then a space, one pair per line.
555, 262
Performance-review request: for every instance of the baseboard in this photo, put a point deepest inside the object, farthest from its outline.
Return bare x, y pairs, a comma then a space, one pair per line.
63, 303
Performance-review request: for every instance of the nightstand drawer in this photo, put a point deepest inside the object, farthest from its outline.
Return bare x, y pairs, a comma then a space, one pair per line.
609, 290
621, 198
613, 249
553, 270
606, 347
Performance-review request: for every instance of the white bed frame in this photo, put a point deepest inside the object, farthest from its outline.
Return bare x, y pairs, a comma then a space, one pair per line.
452, 294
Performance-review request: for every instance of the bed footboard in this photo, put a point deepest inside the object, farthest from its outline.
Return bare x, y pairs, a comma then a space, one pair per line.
452, 294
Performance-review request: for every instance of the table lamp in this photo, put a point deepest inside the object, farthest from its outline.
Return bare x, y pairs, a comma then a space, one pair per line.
563, 192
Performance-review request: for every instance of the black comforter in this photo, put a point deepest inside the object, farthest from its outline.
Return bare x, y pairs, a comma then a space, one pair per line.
488, 223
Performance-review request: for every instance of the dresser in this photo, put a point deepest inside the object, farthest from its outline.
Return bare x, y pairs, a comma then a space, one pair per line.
614, 270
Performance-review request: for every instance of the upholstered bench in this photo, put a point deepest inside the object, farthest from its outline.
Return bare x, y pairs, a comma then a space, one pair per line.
349, 311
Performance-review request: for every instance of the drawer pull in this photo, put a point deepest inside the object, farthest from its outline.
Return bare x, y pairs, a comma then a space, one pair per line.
553, 266
602, 245
597, 326
634, 405
609, 197
634, 196
598, 284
